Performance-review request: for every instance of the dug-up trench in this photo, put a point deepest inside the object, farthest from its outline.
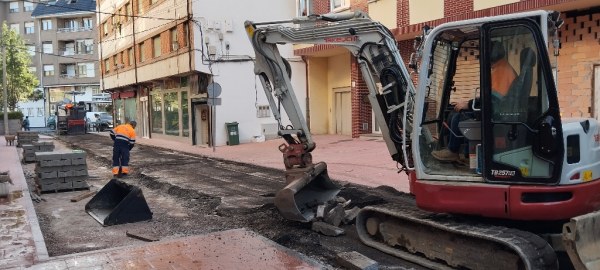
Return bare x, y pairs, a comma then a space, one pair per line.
193, 195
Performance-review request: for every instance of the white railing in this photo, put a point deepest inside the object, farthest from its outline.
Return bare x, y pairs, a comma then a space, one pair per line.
74, 29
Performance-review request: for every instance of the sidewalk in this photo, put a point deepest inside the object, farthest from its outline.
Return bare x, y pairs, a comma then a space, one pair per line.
21, 240
359, 161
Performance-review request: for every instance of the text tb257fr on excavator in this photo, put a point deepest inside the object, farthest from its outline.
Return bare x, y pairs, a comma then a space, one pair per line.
530, 188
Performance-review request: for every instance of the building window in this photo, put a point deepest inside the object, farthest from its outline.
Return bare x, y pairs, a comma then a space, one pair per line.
85, 46
174, 43
13, 7
40, 112
304, 7
171, 103
28, 6
29, 28
131, 56
263, 111
107, 65
47, 48
72, 25
85, 70
185, 115
31, 50
157, 112
69, 48
105, 29
140, 6
32, 70
338, 5
30, 112
128, 11
48, 70
88, 23
115, 62
15, 28
141, 52
185, 34
46, 24
156, 46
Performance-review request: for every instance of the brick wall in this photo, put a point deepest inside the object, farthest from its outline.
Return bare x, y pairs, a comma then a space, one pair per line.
402, 16
361, 108
454, 7
321, 6
580, 42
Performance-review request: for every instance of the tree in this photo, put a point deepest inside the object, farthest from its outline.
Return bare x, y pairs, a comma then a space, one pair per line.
20, 82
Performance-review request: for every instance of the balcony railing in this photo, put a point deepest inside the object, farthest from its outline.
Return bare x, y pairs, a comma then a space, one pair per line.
74, 76
74, 29
67, 52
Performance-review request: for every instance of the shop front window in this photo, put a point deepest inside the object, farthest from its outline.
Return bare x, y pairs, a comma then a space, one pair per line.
118, 112
185, 115
130, 109
157, 126
171, 103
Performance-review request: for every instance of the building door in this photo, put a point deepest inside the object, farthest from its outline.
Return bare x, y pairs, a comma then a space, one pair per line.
144, 124
374, 124
200, 124
596, 81
343, 111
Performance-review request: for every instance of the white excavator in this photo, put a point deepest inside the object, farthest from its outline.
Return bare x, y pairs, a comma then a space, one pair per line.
522, 186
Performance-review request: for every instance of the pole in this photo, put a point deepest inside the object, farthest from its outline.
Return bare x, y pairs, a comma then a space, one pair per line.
214, 118
4, 91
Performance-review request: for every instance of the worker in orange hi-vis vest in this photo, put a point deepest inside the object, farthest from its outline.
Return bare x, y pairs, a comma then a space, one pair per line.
124, 140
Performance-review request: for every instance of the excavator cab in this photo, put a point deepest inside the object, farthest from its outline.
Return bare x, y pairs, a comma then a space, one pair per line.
511, 131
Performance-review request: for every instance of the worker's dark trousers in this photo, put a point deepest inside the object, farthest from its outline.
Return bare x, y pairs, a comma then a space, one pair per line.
120, 157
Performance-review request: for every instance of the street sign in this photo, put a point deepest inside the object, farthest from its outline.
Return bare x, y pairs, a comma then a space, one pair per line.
214, 90
213, 101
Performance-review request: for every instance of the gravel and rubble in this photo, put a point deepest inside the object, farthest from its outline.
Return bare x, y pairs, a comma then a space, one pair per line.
194, 195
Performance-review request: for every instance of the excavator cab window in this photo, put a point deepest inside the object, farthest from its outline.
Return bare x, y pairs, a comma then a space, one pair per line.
496, 80
521, 110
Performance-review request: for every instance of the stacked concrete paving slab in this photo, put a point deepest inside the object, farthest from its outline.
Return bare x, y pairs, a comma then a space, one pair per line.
61, 170
26, 137
29, 150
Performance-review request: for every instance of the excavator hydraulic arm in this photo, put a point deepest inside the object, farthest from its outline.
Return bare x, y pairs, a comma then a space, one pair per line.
390, 94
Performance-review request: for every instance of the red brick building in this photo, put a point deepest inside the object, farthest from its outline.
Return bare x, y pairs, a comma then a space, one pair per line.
340, 94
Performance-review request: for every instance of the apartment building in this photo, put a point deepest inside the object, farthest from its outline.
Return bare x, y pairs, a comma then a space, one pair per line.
337, 95
17, 16
67, 53
158, 58
61, 38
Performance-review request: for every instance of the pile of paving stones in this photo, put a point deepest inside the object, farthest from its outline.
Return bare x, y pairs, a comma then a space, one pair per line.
332, 214
29, 150
61, 171
27, 137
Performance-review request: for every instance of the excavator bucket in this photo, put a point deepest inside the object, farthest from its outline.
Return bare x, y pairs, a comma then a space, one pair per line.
581, 237
117, 203
299, 199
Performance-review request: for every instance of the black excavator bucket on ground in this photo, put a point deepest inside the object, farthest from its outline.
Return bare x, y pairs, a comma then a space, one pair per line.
307, 188
117, 203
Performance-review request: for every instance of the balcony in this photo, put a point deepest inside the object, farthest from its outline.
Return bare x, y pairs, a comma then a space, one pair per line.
74, 29
68, 76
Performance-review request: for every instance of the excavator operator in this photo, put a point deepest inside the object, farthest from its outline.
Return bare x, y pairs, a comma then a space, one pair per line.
124, 140
502, 76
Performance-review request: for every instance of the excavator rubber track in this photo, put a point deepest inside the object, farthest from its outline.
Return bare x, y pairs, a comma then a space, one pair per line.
441, 241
